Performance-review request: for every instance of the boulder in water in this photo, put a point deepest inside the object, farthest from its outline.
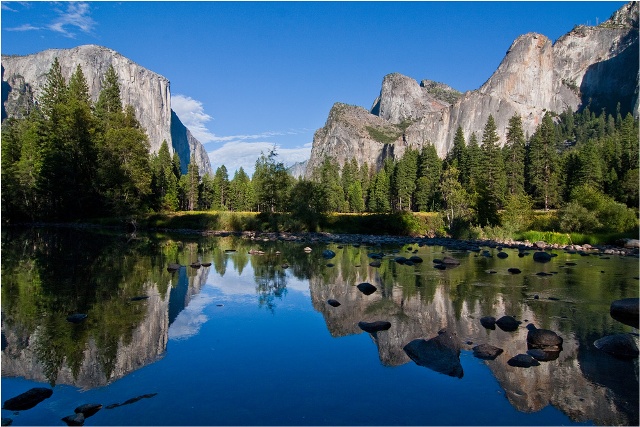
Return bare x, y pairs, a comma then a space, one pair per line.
28, 399
626, 311
372, 327
367, 288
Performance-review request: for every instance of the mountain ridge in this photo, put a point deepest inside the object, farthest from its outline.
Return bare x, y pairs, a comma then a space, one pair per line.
595, 66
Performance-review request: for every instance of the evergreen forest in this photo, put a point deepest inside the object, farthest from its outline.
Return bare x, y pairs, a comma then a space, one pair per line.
69, 159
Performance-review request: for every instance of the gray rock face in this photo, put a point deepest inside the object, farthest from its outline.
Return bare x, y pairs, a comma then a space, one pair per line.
589, 64
24, 77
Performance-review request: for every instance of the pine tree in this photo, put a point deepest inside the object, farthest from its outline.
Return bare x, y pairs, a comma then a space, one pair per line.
542, 171
456, 156
493, 187
193, 184
220, 188
379, 193
404, 180
515, 151
471, 174
271, 183
429, 172
109, 105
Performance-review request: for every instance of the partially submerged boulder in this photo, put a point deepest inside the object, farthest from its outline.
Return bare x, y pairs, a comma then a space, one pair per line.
88, 409
367, 288
441, 353
333, 303
486, 351
28, 399
488, 322
523, 361
543, 338
541, 256
620, 345
508, 323
376, 326
626, 311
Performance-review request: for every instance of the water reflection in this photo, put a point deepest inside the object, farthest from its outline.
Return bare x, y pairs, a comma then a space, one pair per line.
48, 274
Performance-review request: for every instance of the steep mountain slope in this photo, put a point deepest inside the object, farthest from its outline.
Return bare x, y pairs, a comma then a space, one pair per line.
595, 66
23, 78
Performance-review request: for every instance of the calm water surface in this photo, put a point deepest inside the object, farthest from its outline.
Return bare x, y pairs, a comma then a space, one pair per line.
246, 341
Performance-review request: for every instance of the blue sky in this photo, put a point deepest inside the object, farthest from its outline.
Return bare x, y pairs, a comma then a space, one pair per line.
248, 75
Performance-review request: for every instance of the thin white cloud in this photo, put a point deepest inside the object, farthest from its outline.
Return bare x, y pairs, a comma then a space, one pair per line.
77, 15
192, 115
236, 154
6, 7
24, 27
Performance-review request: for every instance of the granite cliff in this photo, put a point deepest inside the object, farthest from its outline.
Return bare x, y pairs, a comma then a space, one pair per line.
23, 78
590, 65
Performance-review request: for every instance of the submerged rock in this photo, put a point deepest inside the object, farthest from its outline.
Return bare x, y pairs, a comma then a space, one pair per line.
139, 298
333, 303
328, 254
486, 351
76, 318
488, 322
449, 261
514, 270
626, 311
543, 338
367, 288
375, 263
173, 267
74, 420
502, 255
441, 354
523, 361
543, 355
416, 259
88, 409
508, 323
371, 327
28, 399
542, 256
619, 345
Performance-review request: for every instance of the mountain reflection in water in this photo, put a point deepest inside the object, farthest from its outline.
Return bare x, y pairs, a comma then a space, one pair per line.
47, 274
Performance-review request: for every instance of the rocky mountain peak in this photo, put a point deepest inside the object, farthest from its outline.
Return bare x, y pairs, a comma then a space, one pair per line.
24, 77
590, 65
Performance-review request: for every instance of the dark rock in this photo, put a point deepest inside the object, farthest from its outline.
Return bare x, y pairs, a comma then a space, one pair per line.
173, 267
76, 318
74, 420
488, 322
619, 345
416, 259
6, 421
330, 265
28, 399
409, 263
542, 256
521, 255
487, 254
507, 323
543, 355
543, 274
440, 266
570, 264
441, 354
372, 327
554, 299
139, 298
400, 260
523, 361
492, 272
195, 265
206, 264
328, 254
367, 288
333, 303
376, 263
229, 251
502, 255
450, 261
88, 409
285, 265
486, 351
543, 338
514, 271
375, 255
437, 261
626, 311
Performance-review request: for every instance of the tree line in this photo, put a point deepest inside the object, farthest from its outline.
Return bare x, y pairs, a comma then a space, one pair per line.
68, 158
